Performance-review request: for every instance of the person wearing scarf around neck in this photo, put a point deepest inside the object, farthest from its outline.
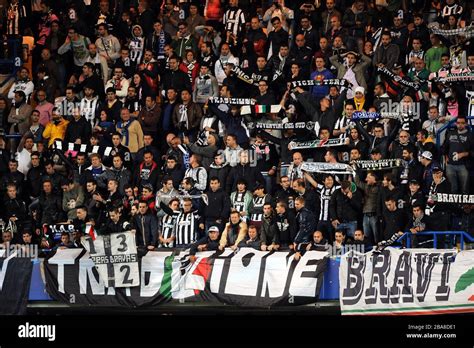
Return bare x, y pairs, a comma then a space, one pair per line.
131, 131
99, 62
157, 41
359, 98
190, 66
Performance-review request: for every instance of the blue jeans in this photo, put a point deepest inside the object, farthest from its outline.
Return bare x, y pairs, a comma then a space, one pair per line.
369, 224
348, 227
458, 177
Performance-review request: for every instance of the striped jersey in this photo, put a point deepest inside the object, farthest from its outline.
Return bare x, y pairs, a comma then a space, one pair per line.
186, 228
257, 208
166, 228
325, 196
239, 201
234, 19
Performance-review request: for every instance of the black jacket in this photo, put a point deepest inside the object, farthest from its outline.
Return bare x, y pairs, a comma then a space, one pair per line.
147, 228
178, 80
210, 245
306, 224
268, 231
344, 209
303, 57
394, 221
379, 143
218, 205
80, 129
248, 243
34, 180
111, 227
146, 175
51, 208
286, 226
221, 172
250, 174
15, 207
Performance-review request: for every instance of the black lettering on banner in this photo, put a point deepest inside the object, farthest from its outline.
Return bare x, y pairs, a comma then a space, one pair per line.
312, 274
380, 269
424, 266
91, 246
402, 277
110, 266
124, 247
355, 279
126, 279
443, 290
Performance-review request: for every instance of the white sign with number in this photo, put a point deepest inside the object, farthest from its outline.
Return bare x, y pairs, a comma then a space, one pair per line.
115, 258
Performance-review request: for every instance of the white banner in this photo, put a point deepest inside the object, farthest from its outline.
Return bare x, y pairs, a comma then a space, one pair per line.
407, 282
115, 258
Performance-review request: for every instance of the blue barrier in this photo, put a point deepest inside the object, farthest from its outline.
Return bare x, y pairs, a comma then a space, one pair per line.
37, 285
463, 236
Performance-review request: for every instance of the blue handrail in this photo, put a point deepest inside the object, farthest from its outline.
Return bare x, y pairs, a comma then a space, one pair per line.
462, 234
445, 127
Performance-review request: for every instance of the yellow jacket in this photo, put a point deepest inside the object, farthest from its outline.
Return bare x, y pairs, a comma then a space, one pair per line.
55, 131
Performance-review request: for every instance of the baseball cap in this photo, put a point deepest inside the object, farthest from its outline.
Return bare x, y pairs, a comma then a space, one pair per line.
427, 154
414, 182
213, 229
437, 169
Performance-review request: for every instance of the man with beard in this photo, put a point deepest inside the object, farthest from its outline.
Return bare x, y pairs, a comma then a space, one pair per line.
100, 63
132, 102
175, 78
78, 130
56, 128
149, 70
411, 169
439, 212
207, 56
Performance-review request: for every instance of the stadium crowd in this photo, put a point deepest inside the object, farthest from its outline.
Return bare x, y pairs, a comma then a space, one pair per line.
239, 123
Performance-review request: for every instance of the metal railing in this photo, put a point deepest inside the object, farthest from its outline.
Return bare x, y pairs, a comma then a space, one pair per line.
446, 127
463, 237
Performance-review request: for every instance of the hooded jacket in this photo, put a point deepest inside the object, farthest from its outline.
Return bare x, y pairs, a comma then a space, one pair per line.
136, 46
